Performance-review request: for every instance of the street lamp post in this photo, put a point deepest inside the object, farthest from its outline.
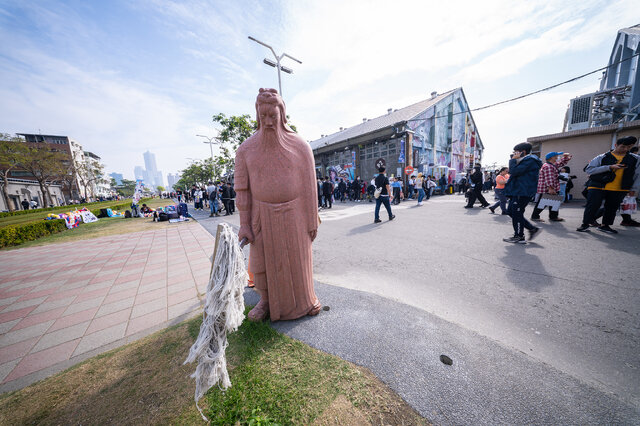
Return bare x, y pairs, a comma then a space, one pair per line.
210, 141
277, 63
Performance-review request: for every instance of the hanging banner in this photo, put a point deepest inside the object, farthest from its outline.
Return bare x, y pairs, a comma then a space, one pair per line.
401, 158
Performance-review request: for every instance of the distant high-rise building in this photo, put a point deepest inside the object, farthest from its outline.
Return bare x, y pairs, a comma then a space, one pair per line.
152, 168
117, 177
138, 172
158, 178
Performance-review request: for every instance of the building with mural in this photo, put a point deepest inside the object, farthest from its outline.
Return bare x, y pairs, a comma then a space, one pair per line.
434, 136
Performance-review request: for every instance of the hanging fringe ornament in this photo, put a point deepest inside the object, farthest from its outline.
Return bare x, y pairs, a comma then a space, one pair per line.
223, 313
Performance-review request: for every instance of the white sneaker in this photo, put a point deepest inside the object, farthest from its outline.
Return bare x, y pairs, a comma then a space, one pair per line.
419, 204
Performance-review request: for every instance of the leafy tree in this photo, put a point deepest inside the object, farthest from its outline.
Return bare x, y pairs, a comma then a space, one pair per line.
127, 187
45, 165
12, 149
160, 188
90, 172
235, 130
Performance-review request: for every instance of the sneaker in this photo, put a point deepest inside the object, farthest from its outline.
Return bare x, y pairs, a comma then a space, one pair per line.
595, 224
485, 206
537, 219
583, 228
515, 240
534, 232
607, 229
468, 207
493, 210
630, 223
393, 216
377, 221
558, 219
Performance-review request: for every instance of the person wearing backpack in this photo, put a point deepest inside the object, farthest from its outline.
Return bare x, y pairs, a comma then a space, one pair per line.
382, 186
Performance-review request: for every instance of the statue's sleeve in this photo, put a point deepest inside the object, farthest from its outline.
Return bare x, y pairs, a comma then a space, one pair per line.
242, 187
311, 190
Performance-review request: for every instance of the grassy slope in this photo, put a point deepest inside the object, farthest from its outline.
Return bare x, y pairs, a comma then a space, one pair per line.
275, 379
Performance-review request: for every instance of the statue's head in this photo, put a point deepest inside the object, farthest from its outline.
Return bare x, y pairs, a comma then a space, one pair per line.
270, 111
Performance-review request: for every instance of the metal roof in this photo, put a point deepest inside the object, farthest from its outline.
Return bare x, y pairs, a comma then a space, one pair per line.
378, 123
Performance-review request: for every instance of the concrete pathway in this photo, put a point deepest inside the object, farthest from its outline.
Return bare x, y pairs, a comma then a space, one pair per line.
61, 304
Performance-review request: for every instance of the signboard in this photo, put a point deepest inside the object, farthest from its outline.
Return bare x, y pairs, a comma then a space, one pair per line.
408, 170
380, 162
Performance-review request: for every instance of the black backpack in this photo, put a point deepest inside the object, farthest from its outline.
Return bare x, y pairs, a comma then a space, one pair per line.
163, 217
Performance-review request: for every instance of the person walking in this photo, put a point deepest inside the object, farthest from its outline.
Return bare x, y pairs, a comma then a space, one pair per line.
383, 182
25, 205
501, 181
431, 186
548, 183
520, 189
462, 185
476, 189
225, 194
212, 191
612, 176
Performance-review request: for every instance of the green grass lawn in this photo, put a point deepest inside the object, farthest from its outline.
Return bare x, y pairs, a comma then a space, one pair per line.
103, 227
275, 380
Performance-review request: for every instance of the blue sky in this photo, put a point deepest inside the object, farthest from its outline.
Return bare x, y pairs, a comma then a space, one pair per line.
121, 77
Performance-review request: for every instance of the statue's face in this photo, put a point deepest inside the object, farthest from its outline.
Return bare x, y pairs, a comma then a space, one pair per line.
269, 116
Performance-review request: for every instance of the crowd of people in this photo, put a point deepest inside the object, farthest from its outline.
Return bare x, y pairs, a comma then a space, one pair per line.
217, 196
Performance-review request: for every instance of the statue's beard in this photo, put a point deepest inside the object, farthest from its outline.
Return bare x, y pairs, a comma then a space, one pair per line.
272, 135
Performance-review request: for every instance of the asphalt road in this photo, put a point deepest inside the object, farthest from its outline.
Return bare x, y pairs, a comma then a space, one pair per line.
541, 331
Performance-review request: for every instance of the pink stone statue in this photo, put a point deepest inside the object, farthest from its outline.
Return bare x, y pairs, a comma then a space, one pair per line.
276, 191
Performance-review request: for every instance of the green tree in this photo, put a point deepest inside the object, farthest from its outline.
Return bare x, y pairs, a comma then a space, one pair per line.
12, 149
45, 165
235, 130
127, 187
90, 172
160, 188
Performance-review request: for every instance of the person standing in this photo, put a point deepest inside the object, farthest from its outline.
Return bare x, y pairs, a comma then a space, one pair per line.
383, 182
319, 185
342, 188
520, 189
612, 176
476, 189
327, 192
501, 181
412, 185
225, 194
548, 183
431, 186
462, 185
419, 186
212, 189
25, 205
396, 190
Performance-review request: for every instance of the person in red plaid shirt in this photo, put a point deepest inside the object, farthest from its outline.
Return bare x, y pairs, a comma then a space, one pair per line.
548, 183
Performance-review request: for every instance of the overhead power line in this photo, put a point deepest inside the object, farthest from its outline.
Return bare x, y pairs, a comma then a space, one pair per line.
537, 91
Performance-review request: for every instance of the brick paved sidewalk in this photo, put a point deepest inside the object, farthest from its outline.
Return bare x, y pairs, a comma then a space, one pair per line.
63, 303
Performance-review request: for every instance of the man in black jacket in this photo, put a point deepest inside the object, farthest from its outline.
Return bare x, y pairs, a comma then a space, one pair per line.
476, 190
225, 194
612, 176
327, 191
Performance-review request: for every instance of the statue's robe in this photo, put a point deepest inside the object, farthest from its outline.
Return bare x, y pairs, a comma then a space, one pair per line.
278, 178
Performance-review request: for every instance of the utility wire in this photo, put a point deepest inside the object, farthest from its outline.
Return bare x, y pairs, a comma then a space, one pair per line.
535, 92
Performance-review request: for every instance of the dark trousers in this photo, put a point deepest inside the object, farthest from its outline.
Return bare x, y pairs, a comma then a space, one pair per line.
396, 195
476, 193
502, 200
227, 207
595, 197
537, 211
327, 200
383, 199
516, 211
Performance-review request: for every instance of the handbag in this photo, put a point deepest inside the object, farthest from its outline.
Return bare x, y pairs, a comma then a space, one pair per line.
377, 192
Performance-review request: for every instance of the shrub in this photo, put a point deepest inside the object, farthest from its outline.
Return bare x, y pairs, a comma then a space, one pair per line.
14, 235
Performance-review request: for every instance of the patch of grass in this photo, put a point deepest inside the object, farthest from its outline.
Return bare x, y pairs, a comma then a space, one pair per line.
276, 380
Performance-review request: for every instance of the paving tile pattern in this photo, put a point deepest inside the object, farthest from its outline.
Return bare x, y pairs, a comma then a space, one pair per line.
60, 301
